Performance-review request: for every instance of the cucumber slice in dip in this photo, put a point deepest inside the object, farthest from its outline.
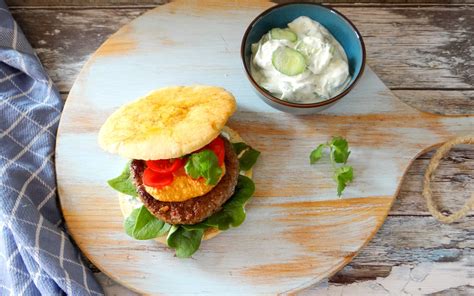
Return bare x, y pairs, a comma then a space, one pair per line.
288, 61
254, 48
306, 50
285, 34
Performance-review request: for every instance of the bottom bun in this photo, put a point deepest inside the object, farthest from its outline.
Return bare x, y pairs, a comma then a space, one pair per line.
129, 203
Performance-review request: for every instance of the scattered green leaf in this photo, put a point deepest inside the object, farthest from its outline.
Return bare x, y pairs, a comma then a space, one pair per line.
316, 154
204, 164
339, 150
343, 176
123, 183
339, 154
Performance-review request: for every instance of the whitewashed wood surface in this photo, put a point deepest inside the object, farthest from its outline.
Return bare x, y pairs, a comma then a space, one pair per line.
407, 239
314, 239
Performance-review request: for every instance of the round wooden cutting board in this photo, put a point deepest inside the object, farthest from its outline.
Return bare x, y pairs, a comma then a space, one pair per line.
297, 231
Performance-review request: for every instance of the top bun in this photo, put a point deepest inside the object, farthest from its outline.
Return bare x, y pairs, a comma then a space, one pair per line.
167, 123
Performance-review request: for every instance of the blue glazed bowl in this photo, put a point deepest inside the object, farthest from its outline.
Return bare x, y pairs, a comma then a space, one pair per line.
340, 27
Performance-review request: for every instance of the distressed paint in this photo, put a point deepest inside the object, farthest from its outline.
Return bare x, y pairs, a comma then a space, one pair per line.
439, 101
299, 219
402, 241
407, 45
120, 46
152, 3
420, 279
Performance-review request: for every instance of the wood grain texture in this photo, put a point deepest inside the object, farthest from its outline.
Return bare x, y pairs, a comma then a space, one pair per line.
448, 102
409, 251
453, 180
373, 120
407, 46
452, 185
406, 250
114, 3
64, 56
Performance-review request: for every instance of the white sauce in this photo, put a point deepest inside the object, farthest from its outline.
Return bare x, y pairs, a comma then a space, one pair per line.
327, 71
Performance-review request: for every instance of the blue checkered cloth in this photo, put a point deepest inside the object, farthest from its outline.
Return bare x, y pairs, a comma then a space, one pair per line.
36, 255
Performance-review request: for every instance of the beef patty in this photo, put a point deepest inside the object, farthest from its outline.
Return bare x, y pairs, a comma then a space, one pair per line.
196, 209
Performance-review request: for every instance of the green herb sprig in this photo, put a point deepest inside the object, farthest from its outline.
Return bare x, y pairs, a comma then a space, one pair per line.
338, 154
204, 164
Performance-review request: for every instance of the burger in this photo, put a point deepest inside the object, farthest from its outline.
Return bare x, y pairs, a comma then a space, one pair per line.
188, 176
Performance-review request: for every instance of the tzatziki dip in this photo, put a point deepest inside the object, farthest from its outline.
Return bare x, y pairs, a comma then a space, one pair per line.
303, 63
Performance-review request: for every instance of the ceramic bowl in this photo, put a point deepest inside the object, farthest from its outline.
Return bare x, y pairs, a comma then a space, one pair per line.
340, 27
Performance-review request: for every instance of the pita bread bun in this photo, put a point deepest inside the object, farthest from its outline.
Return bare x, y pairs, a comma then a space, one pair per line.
167, 123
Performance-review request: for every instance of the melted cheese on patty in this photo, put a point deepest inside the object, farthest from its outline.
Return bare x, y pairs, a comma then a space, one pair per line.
183, 188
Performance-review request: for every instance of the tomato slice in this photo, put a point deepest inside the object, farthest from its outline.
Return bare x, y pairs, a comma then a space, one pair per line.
217, 145
157, 180
165, 165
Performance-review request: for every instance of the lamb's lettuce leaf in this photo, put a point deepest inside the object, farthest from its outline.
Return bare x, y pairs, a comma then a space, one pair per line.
123, 183
247, 155
233, 211
142, 225
186, 239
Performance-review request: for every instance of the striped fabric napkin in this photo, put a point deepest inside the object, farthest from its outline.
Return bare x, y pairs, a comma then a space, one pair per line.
36, 255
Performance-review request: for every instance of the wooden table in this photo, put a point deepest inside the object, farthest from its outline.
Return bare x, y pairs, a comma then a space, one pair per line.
423, 52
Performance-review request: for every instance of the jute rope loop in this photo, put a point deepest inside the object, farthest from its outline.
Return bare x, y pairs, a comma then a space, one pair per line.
427, 193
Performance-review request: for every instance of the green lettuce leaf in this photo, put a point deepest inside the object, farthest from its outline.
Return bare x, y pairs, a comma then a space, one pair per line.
123, 183
185, 241
204, 164
233, 211
196, 226
247, 155
142, 225
239, 147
